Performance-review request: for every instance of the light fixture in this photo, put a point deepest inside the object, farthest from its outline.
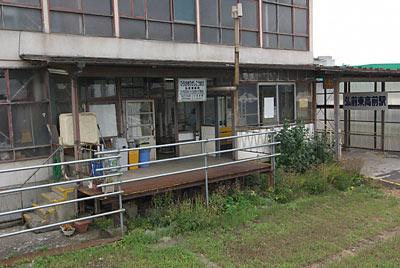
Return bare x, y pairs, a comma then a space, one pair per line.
57, 71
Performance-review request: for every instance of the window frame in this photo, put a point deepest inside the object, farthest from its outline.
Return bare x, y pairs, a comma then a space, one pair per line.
172, 22
277, 84
9, 104
5, 3
82, 13
293, 34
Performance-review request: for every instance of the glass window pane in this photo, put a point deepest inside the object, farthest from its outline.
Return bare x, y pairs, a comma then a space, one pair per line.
226, 12
98, 6
132, 28
285, 19
66, 23
209, 35
138, 8
288, 2
300, 2
74, 4
101, 88
268, 91
249, 39
228, 37
124, 7
303, 101
184, 33
271, 40
159, 31
285, 42
29, 125
3, 91
184, 10
97, 25
209, 12
4, 130
26, 85
59, 87
16, 18
270, 18
300, 21
286, 102
300, 43
250, 14
29, 2
158, 10
30, 153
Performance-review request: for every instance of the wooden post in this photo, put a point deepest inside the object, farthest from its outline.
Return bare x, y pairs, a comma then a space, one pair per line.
336, 114
346, 131
375, 117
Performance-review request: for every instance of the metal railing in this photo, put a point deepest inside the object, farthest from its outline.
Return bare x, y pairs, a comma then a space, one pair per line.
115, 171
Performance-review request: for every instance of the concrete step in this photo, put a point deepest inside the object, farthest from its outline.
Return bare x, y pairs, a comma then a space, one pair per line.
34, 220
66, 191
53, 197
49, 213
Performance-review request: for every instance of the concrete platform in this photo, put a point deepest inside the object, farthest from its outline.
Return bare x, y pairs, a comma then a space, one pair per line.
377, 164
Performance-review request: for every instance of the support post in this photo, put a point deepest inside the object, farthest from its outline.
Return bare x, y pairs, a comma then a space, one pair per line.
75, 120
235, 93
375, 117
336, 114
217, 134
121, 214
206, 169
383, 113
346, 130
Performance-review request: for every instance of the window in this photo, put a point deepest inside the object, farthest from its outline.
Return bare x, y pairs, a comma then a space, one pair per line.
24, 110
21, 15
277, 103
217, 24
248, 104
91, 17
158, 20
285, 24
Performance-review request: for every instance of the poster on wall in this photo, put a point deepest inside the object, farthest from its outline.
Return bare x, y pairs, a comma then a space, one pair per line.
366, 101
192, 90
269, 109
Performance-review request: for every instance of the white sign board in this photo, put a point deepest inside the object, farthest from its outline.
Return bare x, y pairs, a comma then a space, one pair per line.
192, 90
366, 101
269, 111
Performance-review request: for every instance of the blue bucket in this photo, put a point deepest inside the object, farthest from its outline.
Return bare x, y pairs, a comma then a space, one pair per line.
144, 156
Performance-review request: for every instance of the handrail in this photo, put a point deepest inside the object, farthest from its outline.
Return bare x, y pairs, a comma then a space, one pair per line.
267, 154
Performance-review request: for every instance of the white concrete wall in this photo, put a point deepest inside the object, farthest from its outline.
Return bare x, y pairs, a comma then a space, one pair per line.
17, 178
75, 46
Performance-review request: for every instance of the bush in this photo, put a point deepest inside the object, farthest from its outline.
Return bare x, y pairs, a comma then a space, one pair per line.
300, 150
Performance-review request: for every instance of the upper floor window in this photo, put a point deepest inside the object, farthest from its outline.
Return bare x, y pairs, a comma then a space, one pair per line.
158, 19
21, 15
285, 24
91, 17
217, 24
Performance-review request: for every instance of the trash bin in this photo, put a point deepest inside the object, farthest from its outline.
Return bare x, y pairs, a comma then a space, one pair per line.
144, 156
133, 159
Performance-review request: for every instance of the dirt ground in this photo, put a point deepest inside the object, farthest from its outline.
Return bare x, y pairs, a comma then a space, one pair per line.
30, 242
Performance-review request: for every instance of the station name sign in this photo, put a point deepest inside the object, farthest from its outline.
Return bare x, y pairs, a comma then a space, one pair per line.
365, 101
192, 90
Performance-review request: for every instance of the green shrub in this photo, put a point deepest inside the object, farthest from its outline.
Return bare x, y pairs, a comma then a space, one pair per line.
300, 150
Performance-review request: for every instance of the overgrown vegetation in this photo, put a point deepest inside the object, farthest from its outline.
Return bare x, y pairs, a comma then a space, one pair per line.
300, 150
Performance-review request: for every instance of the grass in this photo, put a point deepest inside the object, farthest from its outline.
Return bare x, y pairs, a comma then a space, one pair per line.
296, 234
383, 254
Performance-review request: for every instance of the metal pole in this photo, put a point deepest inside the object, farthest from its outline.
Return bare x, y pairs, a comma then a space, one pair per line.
383, 123
273, 157
205, 169
336, 113
121, 214
75, 119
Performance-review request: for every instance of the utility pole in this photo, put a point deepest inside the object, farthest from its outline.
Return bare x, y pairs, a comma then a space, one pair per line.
237, 12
